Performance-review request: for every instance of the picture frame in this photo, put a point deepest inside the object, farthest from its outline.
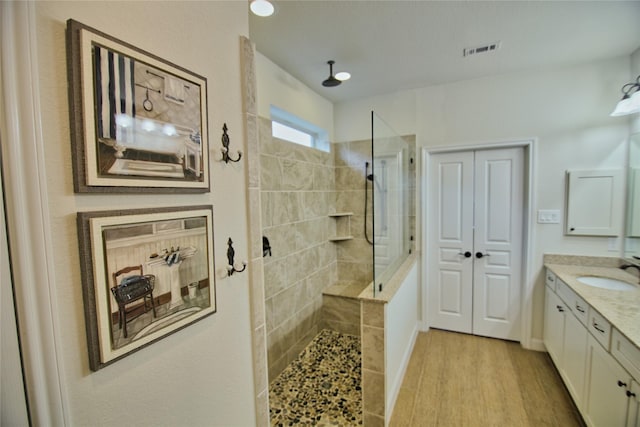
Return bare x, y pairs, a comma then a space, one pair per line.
138, 122
146, 273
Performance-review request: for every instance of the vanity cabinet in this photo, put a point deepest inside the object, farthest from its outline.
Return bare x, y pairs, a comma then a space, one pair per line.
633, 413
574, 357
554, 320
599, 366
626, 353
566, 340
606, 402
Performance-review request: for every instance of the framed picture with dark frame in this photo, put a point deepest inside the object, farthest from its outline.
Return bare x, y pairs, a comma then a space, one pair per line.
146, 273
138, 122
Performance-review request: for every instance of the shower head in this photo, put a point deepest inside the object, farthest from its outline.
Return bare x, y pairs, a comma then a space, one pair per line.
370, 177
331, 81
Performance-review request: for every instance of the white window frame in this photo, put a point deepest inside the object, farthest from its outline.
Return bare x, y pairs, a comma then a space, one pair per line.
319, 138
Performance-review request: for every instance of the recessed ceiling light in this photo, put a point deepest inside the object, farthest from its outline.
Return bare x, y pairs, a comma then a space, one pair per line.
343, 75
261, 7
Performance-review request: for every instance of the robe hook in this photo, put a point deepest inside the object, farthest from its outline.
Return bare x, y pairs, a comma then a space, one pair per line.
231, 267
225, 147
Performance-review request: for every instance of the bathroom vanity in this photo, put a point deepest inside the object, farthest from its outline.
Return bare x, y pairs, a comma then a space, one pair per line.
592, 333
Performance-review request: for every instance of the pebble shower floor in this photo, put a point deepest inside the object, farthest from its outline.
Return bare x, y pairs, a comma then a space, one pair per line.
322, 386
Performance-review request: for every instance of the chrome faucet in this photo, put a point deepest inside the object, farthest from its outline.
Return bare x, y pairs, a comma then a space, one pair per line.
625, 266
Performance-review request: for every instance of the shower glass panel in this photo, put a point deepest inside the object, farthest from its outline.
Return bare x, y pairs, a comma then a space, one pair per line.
389, 185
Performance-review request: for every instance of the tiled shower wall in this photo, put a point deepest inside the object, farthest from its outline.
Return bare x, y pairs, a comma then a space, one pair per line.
355, 256
299, 187
297, 194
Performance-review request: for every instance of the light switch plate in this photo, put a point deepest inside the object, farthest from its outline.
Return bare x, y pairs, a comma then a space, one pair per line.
548, 216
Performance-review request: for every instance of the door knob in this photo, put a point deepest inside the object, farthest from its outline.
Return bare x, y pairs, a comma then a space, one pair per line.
480, 255
467, 254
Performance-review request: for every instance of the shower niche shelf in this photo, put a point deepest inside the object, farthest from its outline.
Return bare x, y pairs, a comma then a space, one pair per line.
343, 226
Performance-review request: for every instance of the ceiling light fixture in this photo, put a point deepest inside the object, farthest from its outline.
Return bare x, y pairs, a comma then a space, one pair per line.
343, 75
630, 102
261, 7
332, 80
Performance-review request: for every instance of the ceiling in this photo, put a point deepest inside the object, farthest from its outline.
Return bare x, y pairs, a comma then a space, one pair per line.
393, 45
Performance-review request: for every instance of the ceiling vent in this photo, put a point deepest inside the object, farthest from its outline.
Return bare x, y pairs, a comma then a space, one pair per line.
469, 51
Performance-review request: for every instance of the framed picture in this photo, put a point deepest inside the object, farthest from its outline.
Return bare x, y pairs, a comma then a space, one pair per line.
146, 273
138, 122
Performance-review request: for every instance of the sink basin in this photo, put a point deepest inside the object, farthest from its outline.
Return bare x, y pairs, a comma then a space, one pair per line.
606, 283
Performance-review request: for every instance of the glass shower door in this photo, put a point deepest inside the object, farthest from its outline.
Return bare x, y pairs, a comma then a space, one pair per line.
388, 185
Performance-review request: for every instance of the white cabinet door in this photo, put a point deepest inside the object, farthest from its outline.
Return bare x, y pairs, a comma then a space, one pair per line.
605, 400
574, 356
595, 202
633, 415
554, 318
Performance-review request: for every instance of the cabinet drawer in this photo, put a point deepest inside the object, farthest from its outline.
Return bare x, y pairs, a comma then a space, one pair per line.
550, 279
576, 304
626, 353
600, 328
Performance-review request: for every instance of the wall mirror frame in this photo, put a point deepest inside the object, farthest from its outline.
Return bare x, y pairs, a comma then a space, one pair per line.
632, 234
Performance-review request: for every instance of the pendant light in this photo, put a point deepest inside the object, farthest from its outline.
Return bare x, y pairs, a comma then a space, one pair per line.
630, 102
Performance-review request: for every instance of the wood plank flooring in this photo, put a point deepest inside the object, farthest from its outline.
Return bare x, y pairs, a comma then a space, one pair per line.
464, 380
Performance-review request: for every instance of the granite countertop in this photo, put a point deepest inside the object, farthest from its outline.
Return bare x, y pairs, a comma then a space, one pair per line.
620, 308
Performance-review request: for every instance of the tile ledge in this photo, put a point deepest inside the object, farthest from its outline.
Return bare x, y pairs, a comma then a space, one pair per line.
393, 284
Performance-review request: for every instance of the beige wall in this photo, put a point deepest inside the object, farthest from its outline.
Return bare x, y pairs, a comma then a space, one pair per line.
279, 88
201, 375
355, 262
354, 256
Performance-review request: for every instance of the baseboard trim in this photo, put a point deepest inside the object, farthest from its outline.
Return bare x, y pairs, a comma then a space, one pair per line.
536, 344
395, 387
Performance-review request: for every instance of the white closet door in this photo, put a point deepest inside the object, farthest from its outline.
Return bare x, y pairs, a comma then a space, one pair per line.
497, 243
451, 222
475, 244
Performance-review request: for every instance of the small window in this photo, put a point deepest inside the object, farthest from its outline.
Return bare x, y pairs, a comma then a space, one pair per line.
289, 127
282, 131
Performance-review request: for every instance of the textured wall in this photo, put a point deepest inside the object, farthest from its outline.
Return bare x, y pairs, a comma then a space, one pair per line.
355, 256
297, 195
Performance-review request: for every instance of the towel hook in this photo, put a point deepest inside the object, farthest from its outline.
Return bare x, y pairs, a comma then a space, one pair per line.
147, 104
225, 147
231, 267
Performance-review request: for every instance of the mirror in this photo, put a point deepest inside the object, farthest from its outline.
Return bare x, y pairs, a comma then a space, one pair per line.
632, 244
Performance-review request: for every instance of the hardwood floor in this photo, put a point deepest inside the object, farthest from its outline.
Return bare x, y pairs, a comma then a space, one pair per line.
464, 380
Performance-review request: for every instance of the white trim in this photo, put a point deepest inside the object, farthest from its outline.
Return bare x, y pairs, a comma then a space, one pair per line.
27, 214
526, 307
536, 344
